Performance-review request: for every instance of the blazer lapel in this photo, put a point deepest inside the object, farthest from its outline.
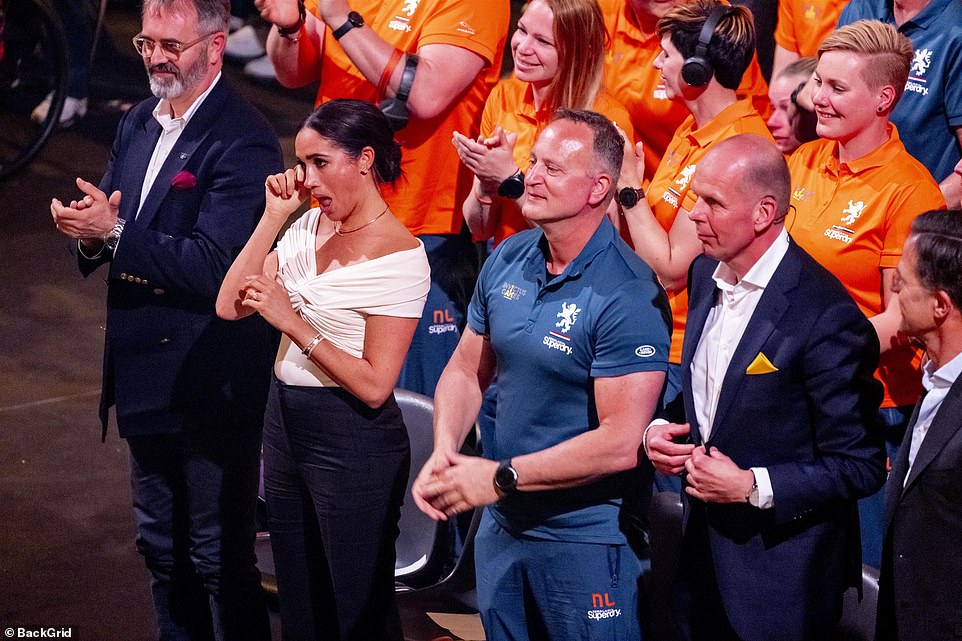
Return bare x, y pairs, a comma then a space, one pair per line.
896, 481
193, 135
771, 307
944, 426
146, 133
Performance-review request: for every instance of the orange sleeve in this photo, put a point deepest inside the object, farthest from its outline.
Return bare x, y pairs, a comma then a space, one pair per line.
785, 29
475, 26
919, 197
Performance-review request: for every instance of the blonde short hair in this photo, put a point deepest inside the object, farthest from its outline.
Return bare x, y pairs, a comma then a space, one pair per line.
889, 52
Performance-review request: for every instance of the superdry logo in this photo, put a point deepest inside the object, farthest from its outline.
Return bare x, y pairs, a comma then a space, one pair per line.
553, 343
920, 65
602, 608
443, 322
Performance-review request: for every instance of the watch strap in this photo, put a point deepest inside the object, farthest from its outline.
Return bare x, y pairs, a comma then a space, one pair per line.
354, 19
290, 33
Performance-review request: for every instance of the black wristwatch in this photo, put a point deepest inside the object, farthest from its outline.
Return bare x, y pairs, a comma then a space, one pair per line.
628, 197
512, 186
506, 478
354, 19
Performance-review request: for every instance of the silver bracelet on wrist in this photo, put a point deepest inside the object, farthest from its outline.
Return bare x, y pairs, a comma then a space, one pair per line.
314, 342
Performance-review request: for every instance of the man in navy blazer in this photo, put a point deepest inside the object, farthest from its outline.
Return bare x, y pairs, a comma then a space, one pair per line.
781, 403
182, 193
920, 595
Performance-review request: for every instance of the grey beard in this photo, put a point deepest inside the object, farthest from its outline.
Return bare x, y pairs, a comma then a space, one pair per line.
183, 81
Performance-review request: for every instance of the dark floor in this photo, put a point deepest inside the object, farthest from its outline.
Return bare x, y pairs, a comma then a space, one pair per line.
66, 534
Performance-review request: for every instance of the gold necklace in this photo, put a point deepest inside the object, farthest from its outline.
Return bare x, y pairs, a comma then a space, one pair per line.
337, 225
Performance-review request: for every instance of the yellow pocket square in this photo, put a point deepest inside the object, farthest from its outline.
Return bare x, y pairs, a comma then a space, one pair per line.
761, 365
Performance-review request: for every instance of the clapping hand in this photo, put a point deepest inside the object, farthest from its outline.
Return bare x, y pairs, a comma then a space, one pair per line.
89, 218
490, 159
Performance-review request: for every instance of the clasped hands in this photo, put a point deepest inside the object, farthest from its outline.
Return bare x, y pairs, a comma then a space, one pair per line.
87, 219
712, 476
451, 483
490, 159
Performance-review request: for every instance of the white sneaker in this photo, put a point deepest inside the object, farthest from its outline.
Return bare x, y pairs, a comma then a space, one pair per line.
73, 110
235, 23
244, 44
261, 69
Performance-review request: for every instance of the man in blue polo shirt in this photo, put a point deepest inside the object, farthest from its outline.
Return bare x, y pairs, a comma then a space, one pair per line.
929, 114
576, 327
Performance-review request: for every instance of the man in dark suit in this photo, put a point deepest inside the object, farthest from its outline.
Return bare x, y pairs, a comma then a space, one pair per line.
920, 596
186, 188
781, 404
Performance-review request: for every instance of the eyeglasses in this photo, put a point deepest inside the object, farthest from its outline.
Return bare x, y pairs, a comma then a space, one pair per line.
171, 48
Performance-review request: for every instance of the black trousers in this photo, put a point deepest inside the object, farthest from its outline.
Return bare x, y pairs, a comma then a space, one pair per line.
194, 497
335, 472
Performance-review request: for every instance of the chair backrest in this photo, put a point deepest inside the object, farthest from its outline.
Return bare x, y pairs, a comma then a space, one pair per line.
420, 545
665, 513
858, 617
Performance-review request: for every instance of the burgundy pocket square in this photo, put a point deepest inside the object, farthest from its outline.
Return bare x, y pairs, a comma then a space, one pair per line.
184, 180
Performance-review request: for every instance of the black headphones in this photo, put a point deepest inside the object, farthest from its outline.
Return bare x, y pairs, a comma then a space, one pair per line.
697, 70
396, 108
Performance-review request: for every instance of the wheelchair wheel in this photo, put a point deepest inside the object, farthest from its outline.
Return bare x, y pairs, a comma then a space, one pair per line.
33, 65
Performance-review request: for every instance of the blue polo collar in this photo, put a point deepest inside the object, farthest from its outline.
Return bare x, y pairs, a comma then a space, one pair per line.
926, 17
535, 268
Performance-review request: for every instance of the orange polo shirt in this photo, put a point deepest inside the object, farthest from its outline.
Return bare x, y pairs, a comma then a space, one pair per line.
631, 78
669, 191
428, 197
853, 218
511, 105
803, 24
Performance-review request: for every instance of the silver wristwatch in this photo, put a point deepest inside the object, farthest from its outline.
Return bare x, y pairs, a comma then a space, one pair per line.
112, 237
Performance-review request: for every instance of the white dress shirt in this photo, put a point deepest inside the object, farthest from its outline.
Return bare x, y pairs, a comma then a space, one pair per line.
937, 383
726, 322
171, 129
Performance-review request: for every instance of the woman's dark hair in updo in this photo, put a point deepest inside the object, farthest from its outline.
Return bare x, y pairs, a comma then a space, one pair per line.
353, 125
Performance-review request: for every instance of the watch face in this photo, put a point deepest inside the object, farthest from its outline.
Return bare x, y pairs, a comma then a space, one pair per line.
512, 187
506, 478
355, 19
628, 197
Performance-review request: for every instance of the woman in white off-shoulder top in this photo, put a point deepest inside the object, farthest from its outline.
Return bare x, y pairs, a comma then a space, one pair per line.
346, 286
